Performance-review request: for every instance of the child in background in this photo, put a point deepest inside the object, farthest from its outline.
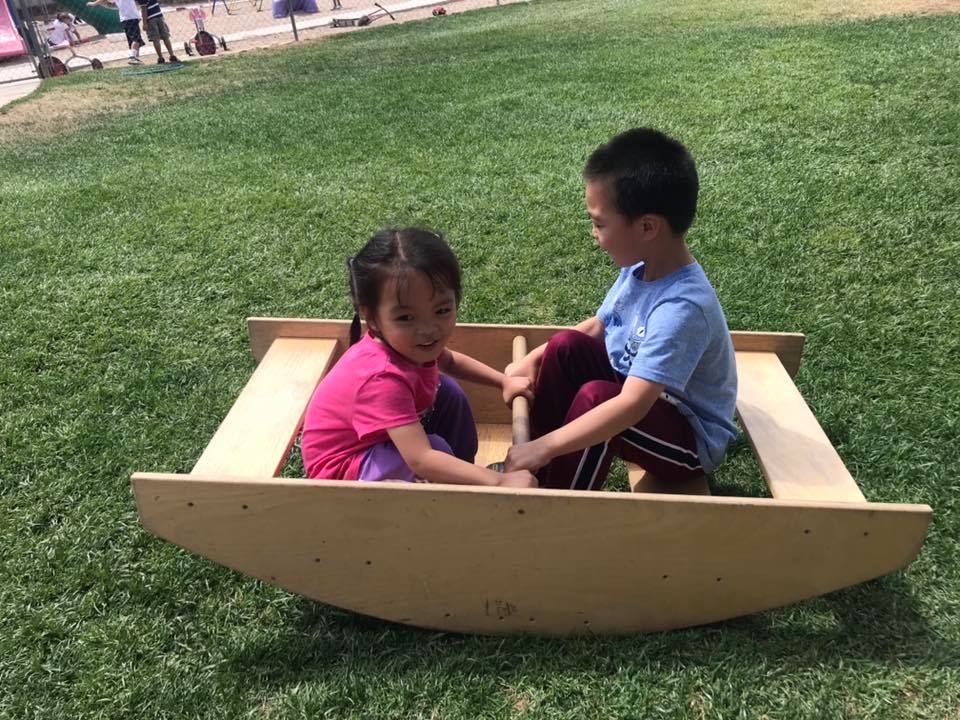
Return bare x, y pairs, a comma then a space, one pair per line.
156, 28
385, 411
130, 20
651, 377
62, 31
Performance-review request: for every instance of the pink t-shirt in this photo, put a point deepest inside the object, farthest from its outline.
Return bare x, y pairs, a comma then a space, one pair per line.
369, 390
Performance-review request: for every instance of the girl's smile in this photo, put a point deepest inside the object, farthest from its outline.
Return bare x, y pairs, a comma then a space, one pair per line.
415, 318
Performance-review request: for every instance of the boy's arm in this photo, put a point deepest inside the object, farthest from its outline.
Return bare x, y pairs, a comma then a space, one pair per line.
102, 3
599, 424
436, 466
530, 364
464, 367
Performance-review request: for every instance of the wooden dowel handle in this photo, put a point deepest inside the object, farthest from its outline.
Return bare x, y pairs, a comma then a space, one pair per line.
521, 408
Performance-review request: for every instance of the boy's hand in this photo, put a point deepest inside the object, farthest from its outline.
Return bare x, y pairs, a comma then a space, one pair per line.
514, 385
518, 479
529, 456
523, 368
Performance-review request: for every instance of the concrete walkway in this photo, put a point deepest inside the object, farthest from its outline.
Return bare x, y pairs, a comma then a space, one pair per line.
16, 90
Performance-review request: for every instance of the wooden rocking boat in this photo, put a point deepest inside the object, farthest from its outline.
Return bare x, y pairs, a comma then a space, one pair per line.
507, 561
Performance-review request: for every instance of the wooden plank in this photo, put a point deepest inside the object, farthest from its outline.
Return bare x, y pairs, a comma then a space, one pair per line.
493, 442
642, 481
509, 561
795, 455
787, 346
492, 344
254, 439
263, 331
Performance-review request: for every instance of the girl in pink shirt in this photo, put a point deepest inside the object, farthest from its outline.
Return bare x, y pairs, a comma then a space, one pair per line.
390, 409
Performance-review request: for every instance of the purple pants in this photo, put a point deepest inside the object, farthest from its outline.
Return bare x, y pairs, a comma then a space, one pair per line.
575, 376
449, 426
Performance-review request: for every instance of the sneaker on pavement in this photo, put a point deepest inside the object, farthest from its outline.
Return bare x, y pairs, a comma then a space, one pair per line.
173, 58
134, 60
160, 60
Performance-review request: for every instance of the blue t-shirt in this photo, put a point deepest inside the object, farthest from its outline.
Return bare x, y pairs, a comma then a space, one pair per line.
672, 331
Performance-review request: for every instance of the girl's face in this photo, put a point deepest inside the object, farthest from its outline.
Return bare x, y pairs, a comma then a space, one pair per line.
413, 318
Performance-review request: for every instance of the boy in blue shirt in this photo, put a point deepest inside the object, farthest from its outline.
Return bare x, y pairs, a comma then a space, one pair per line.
652, 377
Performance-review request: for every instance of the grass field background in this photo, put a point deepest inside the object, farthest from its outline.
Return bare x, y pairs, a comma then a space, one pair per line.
144, 218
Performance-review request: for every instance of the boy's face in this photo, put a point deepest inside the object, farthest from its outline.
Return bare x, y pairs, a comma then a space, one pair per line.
622, 239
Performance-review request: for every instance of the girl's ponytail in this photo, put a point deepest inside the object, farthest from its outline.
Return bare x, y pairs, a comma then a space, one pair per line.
355, 325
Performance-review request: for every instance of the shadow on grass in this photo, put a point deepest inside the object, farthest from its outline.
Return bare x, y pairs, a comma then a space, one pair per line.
876, 622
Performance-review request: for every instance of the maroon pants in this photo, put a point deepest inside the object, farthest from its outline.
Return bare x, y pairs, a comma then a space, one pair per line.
576, 376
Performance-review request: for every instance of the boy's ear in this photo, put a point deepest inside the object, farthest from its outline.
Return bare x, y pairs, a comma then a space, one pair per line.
651, 224
643, 225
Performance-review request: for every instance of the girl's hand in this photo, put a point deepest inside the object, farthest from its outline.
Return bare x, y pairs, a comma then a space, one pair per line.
518, 479
529, 456
514, 385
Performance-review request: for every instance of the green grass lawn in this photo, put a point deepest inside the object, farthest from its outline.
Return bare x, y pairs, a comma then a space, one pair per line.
135, 240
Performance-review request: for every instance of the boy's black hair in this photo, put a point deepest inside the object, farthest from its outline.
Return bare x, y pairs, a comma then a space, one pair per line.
648, 172
392, 252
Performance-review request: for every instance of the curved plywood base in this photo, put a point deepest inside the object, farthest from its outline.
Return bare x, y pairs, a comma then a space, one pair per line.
498, 561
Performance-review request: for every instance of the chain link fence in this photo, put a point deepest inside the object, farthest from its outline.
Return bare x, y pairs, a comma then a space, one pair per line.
43, 38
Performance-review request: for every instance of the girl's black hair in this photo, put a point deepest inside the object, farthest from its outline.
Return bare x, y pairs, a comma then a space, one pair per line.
391, 253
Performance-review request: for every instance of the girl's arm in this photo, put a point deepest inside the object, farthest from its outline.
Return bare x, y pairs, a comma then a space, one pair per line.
436, 466
529, 366
464, 367
603, 422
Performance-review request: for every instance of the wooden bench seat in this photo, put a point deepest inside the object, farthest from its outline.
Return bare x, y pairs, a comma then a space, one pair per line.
796, 457
254, 439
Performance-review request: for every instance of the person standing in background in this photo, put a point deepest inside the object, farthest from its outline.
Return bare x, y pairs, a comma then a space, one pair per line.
130, 20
